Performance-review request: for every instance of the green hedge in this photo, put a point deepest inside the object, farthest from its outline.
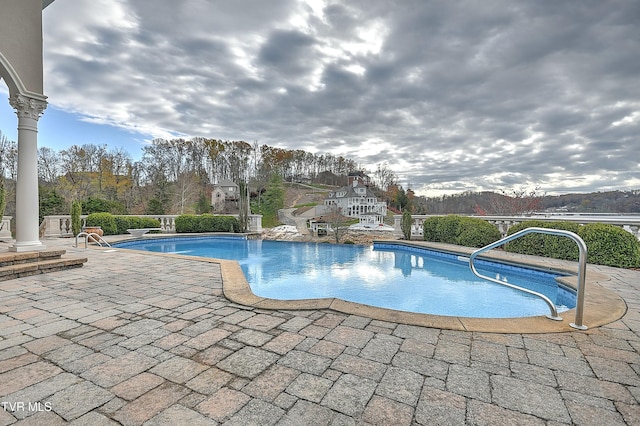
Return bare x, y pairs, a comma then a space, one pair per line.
106, 221
189, 223
460, 230
118, 225
535, 244
134, 222
606, 244
475, 232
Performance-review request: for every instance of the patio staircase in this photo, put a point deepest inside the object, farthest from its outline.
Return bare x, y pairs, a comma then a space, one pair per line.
17, 265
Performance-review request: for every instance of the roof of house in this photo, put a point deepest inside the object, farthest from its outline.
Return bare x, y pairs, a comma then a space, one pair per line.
351, 192
225, 182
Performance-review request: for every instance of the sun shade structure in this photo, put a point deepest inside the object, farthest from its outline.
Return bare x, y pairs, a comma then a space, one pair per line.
22, 71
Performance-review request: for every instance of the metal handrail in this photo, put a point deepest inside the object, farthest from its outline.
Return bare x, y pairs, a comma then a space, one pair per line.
582, 270
96, 238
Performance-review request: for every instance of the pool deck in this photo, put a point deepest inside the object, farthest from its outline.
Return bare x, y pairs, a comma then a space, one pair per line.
136, 338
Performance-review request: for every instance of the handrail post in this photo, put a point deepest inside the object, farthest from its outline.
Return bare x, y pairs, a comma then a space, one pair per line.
582, 270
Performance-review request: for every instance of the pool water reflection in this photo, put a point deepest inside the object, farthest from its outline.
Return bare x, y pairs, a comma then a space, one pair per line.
386, 275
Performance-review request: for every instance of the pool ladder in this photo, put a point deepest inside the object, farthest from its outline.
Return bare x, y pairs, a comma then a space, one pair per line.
95, 237
582, 268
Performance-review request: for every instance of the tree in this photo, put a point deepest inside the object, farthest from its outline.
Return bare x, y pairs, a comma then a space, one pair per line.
511, 203
273, 200
406, 223
76, 212
48, 165
8, 163
244, 208
384, 177
203, 205
339, 223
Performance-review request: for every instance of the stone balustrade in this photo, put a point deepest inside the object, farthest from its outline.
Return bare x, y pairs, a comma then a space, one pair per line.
55, 226
503, 223
5, 227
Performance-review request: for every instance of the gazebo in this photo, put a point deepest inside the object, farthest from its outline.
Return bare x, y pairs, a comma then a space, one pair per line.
22, 71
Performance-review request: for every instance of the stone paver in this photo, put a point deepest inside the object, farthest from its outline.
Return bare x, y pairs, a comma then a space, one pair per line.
158, 344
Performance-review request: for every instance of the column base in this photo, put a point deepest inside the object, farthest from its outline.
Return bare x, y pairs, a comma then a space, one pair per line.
27, 246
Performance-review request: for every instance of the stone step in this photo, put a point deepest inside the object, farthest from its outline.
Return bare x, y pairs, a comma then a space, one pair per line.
47, 264
11, 258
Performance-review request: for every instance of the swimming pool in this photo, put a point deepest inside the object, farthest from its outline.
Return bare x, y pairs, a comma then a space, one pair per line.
403, 278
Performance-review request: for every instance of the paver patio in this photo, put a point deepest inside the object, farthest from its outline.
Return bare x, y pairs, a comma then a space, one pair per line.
141, 339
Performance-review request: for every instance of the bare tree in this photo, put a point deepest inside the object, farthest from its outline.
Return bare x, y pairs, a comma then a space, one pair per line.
338, 222
384, 177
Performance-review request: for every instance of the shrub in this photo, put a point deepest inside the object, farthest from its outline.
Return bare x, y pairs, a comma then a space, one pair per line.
536, 244
99, 205
461, 230
610, 245
429, 228
448, 228
186, 223
606, 244
189, 223
474, 232
134, 222
106, 221
76, 212
405, 224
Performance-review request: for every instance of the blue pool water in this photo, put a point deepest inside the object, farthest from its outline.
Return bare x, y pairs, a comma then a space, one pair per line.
387, 275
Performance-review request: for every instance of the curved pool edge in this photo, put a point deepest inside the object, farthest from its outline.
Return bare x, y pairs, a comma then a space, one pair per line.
602, 306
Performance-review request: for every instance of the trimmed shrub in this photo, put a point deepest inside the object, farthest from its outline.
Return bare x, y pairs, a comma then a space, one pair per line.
474, 232
429, 228
610, 245
106, 221
448, 228
606, 244
189, 223
405, 224
76, 212
134, 222
460, 230
535, 244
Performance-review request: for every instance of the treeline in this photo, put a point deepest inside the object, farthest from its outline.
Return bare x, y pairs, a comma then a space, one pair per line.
171, 177
522, 202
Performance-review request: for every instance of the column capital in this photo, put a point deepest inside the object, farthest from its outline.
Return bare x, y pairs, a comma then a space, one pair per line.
27, 107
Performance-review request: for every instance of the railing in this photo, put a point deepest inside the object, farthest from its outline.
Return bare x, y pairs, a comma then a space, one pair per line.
629, 223
5, 226
582, 268
60, 225
95, 237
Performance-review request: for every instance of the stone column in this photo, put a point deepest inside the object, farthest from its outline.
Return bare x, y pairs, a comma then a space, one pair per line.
28, 110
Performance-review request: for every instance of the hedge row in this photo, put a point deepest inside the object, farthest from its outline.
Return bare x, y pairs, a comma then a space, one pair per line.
460, 230
606, 244
117, 225
186, 223
189, 223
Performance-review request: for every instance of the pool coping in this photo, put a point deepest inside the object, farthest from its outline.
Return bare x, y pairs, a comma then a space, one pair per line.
601, 306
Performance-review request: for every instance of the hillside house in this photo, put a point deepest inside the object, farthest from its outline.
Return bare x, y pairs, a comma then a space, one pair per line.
223, 192
357, 200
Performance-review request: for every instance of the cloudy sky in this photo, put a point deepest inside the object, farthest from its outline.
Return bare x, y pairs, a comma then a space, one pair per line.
453, 95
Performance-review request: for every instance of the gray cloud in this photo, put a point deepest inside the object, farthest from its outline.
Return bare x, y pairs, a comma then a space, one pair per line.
454, 96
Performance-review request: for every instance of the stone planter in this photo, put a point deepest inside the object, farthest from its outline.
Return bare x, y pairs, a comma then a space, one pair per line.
93, 230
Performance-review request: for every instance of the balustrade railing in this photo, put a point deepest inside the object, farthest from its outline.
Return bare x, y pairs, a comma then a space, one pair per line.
630, 224
5, 227
60, 225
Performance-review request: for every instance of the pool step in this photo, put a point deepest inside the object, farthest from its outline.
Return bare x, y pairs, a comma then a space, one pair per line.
16, 265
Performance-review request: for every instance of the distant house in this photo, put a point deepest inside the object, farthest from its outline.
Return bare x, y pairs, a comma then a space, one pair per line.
222, 192
357, 200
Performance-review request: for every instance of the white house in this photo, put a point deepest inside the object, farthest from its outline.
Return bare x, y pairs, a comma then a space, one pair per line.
357, 200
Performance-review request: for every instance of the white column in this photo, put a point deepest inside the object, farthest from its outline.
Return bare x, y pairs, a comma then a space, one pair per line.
27, 227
